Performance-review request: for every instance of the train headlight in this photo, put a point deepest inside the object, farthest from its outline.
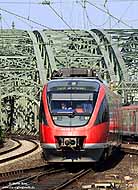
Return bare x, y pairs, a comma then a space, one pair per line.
86, 118
55, 118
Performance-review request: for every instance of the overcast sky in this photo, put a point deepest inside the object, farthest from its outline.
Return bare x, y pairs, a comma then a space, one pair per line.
69, 14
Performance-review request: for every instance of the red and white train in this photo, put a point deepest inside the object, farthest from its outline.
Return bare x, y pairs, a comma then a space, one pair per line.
79, 120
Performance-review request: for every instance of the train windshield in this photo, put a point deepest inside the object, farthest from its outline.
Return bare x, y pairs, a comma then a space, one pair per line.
72, 103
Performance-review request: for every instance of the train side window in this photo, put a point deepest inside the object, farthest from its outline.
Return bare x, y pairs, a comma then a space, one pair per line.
42, 118
103, 114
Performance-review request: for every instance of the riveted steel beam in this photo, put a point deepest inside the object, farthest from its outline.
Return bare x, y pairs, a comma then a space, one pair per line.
20, 84
40, 64
117, 59
49, 51
71, 49
103, 48
126, 41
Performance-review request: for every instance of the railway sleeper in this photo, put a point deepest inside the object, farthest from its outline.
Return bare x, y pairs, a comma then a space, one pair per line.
11, 174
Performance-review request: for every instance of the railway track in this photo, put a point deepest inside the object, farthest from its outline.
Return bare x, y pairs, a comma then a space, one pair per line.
7, 150
56, 179
18, 151
113, 174
21, 177
73, 178
130, 147
49, 179
118, 172
107, 175
22, 174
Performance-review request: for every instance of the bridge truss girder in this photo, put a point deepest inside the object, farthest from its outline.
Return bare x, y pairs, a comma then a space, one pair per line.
20, 84
127, 43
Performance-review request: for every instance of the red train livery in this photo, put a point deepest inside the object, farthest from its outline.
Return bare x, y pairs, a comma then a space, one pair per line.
130, 120
75, 117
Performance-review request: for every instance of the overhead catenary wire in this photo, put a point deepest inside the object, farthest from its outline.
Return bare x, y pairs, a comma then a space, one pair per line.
40, 2
71, 12
9, 26
63, 20
60, 17
15, 2
2, 18
107, 12
89, 20
57, 2
130, 4
49, 3
24, 2
24, 18
96, 25
29, 9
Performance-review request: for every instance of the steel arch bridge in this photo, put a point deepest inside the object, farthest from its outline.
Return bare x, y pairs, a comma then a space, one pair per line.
28, 58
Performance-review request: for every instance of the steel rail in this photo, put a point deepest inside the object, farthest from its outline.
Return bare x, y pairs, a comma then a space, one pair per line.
22, 154
68, 182
36, 177
130, 148
13, 148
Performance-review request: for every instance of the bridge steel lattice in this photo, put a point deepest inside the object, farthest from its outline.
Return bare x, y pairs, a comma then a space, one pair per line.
28, 58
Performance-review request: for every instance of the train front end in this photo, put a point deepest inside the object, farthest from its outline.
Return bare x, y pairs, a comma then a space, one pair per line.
74, 120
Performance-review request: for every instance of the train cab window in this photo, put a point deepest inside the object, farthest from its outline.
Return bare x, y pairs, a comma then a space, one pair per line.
103, 114
78, 96
71, 109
